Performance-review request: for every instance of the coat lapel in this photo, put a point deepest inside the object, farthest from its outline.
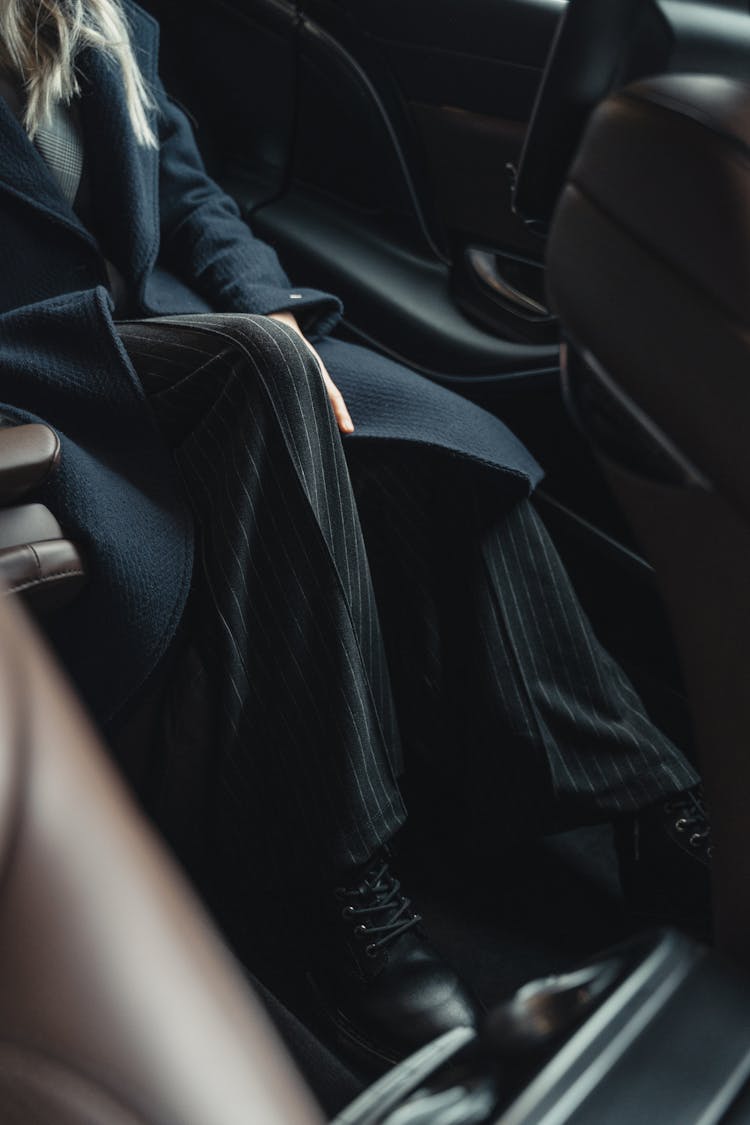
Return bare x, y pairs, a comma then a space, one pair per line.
25, 175
123, 175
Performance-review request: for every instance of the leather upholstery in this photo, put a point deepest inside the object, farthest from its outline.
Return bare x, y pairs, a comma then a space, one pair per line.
36, 560
649, 267
47, 573
28, 454
118, 1004
648, 262
25, 523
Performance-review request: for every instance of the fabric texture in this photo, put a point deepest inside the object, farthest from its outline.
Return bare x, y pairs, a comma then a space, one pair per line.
62, 148
503, 693
181, 246
487, 680
392, 405
116, 492
304, 745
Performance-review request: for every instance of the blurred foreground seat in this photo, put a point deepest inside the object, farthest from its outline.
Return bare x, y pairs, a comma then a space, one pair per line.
118, 1003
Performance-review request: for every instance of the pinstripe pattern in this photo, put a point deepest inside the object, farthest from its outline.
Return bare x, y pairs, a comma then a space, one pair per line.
603, 751
305, 744
497, 675
500, 682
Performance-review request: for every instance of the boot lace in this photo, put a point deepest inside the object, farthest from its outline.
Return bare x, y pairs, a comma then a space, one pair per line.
689, 809
378, 909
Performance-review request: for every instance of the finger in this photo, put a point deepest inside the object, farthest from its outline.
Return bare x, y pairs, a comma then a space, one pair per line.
336, 399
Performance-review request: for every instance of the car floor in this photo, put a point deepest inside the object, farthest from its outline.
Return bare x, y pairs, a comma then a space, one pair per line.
547, 906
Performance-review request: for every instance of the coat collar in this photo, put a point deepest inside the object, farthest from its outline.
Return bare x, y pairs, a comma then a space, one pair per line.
124, 176
25, 175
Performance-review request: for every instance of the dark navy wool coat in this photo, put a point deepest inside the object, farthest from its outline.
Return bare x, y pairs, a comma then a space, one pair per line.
182, 247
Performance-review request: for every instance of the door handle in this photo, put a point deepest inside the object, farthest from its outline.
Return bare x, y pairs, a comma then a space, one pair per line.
485, 266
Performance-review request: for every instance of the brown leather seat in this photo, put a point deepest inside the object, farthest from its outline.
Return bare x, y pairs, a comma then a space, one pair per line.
649, 269
118, 1003
37, 560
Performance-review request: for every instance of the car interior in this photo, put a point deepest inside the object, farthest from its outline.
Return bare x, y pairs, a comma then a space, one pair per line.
543, 206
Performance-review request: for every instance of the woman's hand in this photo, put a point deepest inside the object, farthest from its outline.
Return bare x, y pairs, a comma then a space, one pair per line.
335, 397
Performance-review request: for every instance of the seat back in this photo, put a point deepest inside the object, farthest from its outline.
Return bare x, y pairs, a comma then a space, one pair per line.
649, 270
118, 1003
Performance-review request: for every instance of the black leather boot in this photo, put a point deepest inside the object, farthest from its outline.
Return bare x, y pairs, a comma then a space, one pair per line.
665, 862
385, 989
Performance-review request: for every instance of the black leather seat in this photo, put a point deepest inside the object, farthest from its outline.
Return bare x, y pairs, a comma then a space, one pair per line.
649, 270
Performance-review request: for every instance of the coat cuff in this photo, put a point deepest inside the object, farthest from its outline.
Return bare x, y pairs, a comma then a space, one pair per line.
317, 313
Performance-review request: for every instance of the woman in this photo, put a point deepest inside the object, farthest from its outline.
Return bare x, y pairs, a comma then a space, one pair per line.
204, 472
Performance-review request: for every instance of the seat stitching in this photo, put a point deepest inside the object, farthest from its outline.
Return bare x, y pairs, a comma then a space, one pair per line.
40, 581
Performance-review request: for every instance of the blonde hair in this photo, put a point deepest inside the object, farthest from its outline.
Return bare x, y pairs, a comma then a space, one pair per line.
40, 41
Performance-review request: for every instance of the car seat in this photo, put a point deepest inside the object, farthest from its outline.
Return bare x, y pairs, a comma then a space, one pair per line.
649, 270
118, 1003
37, 560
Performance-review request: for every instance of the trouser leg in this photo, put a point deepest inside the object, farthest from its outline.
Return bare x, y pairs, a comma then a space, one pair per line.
514, 698
604, 753
298, 775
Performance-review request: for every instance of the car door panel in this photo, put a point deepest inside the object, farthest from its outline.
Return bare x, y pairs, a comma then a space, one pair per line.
349, 107
466, 77
349, 141
416, 319
458, 83
469, 156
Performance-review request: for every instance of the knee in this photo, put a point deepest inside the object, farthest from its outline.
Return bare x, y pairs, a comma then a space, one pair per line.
268, 342
266, 364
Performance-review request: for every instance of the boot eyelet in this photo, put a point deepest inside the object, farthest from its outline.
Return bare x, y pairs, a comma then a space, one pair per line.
696, 840
361, 932
347, 912
371, 951
681, 824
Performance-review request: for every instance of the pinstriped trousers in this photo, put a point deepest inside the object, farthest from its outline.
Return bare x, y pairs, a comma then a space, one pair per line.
359, 610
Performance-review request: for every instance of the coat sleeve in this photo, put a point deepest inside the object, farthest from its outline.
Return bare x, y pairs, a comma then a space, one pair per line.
206, 240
